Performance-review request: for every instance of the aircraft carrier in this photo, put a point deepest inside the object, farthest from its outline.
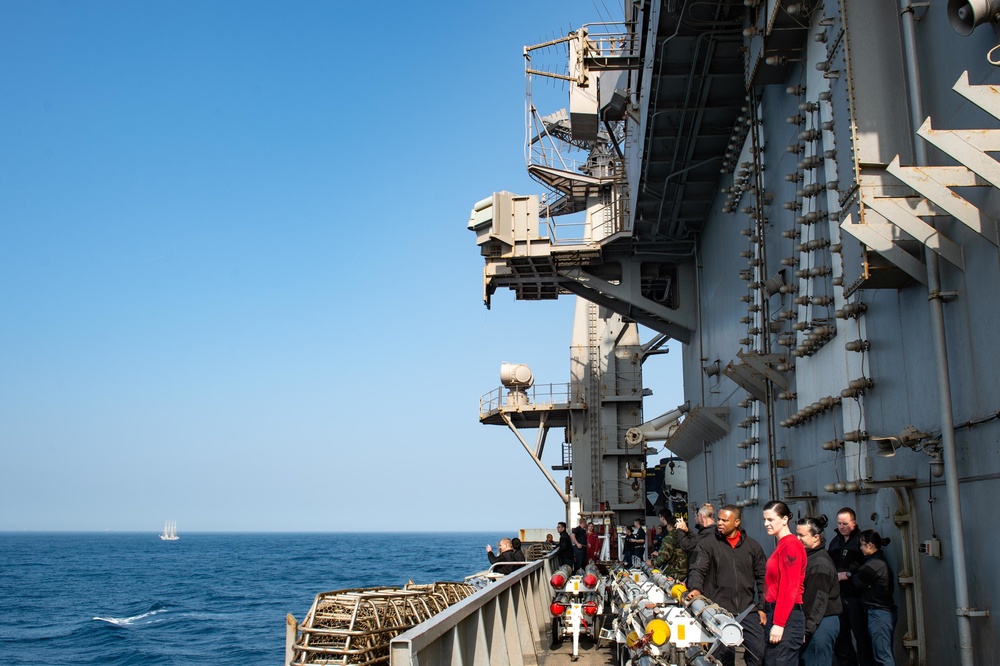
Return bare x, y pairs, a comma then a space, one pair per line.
802, 194
802, 197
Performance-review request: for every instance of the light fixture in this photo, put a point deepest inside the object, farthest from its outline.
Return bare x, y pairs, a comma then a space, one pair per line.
851, 310
773, 284
910, 438
887, 446
965, 15
937, 463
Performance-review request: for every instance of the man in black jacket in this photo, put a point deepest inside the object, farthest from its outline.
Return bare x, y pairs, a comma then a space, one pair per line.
705, 524
506, 555
565, 548
578, 537
638, 539
729, 569
845, 551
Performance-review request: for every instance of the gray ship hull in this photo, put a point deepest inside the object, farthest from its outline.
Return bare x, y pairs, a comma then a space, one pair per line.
805, 196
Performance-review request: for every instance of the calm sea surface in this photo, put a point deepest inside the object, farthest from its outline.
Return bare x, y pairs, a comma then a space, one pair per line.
116, 599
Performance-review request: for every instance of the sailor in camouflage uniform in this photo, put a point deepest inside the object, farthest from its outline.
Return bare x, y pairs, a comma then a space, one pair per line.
671, 559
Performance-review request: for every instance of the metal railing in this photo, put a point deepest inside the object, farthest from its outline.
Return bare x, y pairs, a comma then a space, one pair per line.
551, 156
501, 624
573, 229
605, 40
552, 394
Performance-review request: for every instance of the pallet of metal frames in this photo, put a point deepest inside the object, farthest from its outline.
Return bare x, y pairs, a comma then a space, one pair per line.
355, 626
452, 592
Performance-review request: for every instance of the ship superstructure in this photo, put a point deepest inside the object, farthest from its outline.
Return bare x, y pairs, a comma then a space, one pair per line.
595, 410
804, 195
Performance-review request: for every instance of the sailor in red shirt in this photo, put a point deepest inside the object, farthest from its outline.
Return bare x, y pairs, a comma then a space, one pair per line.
783, 584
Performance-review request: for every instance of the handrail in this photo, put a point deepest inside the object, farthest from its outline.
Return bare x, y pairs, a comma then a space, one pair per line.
611, 39
508, 617
539, 394
515, 565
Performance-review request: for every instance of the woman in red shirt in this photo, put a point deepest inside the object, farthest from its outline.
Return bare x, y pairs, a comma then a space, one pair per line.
783, 584
593, 543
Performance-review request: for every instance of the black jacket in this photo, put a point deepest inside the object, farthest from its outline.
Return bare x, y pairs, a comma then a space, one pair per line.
846, 555
565, 554
689, 540
821, 596
638, 542
875, 582
656, 538
731, 577
505, 556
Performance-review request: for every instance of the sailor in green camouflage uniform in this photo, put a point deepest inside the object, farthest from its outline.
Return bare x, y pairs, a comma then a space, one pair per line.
671, 559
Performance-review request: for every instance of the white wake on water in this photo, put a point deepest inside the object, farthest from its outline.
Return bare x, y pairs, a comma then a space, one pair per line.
127, 621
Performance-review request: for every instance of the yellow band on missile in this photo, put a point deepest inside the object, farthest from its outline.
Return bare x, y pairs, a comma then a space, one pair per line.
678, 591
631, 639
658, 631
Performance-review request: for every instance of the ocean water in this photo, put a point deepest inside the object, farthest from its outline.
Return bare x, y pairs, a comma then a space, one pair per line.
129, 598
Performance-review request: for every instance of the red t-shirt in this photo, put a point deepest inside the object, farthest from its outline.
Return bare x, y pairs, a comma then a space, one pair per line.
593, 545
784, 577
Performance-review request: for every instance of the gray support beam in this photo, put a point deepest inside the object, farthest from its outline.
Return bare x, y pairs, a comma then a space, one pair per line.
627, 300
880, 238
538, 462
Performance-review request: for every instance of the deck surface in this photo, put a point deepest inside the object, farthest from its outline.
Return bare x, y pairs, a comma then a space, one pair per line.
589, 654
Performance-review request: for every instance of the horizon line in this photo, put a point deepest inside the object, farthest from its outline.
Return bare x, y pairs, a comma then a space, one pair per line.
223, 531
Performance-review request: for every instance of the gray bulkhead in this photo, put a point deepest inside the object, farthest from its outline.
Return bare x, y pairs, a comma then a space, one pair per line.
867, 107
776, 211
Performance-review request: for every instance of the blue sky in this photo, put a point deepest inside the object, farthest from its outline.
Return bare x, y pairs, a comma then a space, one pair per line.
237, 285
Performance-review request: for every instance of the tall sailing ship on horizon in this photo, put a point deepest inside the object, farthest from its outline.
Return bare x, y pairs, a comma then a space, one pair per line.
169, 531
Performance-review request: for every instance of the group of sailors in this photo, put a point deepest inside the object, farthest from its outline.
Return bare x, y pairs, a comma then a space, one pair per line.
807, 603
810, 599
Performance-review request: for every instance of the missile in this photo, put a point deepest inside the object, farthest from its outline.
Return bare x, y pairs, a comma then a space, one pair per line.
717, 620
591, 576
559, 578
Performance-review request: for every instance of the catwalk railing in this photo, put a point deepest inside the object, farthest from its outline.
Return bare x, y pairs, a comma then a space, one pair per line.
501, 624
539, 394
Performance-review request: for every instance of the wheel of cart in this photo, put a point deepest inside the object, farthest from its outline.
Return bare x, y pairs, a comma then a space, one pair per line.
557, 632
595, 629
